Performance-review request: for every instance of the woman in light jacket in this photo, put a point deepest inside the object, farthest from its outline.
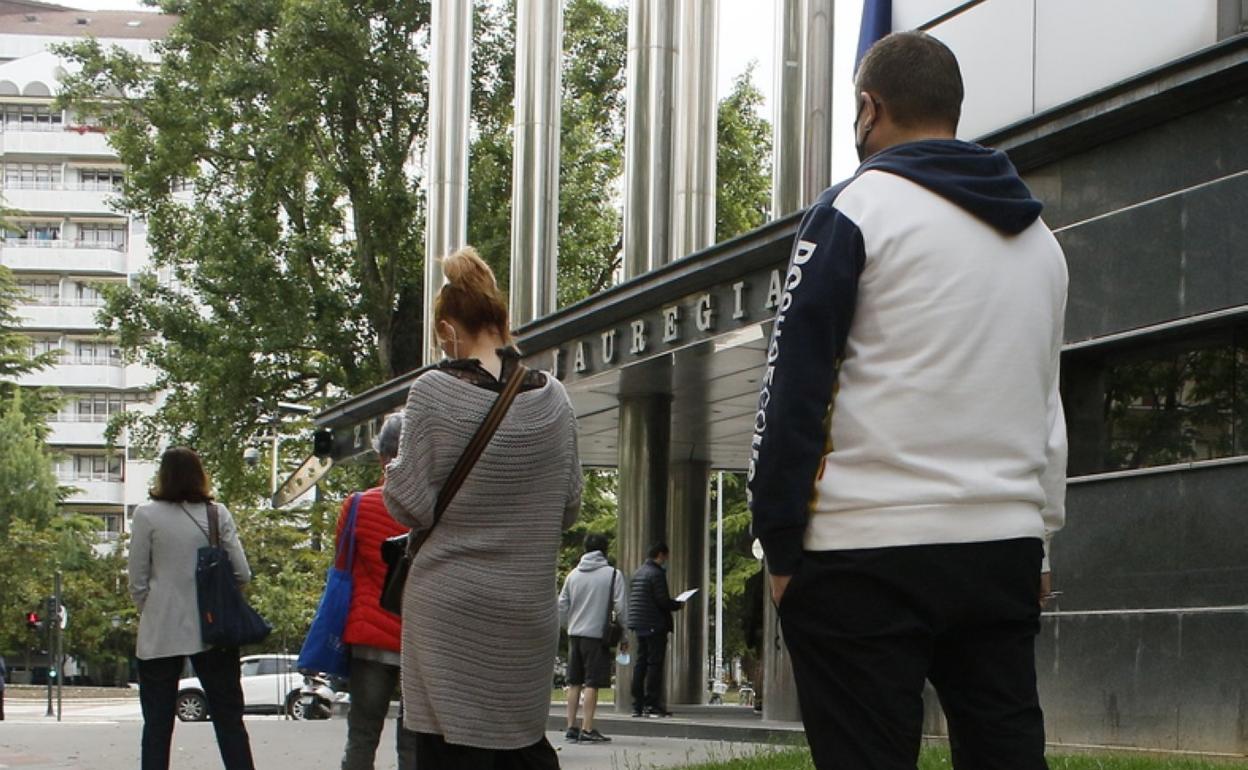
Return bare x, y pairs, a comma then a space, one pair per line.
166, 536
480, 625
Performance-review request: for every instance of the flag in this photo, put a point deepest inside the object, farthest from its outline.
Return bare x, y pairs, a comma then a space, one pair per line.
877, 21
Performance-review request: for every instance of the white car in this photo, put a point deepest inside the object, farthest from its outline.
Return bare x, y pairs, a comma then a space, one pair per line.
271, 685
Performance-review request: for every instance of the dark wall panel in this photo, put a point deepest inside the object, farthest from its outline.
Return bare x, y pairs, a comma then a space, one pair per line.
1172, 156
1170, 681
1174, 539
1168, 259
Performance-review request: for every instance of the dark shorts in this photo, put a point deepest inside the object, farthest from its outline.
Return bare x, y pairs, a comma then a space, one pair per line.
589, 662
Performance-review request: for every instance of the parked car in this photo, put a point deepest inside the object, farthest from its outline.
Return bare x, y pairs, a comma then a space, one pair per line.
271, 685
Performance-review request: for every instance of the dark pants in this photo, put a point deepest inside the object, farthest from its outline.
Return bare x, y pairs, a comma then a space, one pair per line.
218, 672
648, 671
371, 685
866, 627
434, 751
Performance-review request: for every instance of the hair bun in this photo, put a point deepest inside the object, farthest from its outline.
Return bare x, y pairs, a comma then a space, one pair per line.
466, 270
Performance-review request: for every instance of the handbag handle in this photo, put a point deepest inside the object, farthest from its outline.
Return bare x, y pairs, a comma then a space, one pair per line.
472, 452
349, 531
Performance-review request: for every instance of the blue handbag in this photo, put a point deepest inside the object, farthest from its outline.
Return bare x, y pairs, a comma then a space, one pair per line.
323, 648
225, 617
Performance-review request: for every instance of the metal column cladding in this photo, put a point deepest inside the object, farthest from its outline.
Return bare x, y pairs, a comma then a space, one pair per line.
802, 120
446, 226
535, 168
817, 88
786, 124
696, 119
648, 130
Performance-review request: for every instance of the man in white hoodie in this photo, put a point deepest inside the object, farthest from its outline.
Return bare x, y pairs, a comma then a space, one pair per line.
592, 596
908, 465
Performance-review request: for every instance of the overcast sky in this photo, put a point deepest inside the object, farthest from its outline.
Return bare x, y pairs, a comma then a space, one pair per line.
747, 33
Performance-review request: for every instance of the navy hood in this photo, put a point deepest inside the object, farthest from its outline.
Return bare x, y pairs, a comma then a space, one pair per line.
982, 181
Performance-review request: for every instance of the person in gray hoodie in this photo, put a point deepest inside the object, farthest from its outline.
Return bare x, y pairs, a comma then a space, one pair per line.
590, 593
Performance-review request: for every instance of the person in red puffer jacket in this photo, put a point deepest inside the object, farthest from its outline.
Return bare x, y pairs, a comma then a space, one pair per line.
372, 632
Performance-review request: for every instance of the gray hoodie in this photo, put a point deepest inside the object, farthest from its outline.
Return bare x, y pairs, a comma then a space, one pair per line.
583, 600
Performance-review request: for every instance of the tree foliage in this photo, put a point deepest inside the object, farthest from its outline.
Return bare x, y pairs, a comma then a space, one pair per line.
743, 163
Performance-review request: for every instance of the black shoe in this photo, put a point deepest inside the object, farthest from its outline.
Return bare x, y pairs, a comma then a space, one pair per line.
593, 736
638, 714
573, 734
657, 713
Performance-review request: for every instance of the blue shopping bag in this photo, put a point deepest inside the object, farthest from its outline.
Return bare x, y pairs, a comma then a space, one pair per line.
323, 648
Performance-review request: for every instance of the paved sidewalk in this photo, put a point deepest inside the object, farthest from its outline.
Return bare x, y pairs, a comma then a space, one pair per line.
90, 742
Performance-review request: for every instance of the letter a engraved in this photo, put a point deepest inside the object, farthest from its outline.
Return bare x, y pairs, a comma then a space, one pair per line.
773, 291
579, 362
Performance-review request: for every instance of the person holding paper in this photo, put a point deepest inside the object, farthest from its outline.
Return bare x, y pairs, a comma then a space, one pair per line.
650, 608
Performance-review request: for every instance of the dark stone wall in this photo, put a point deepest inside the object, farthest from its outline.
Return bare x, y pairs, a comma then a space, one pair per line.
1145, 646
1153, 224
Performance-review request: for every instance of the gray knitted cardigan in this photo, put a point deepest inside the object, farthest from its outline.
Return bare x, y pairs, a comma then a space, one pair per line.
480, 625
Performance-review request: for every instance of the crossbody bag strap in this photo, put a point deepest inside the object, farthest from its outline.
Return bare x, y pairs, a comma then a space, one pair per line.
195, 521
472, 452
214, 526
610, 602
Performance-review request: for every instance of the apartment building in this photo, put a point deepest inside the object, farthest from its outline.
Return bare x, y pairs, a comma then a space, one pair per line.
59, 177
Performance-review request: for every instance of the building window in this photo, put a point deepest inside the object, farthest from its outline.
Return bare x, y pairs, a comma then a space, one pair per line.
98, 407
42, 345
90, 467
32, 176
99, 236
40, 291
93, 353
39, 233
31, 117
1163, 403
108, 180
87, 295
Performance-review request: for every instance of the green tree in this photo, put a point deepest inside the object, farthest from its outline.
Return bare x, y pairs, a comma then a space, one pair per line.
743, 163
28, 489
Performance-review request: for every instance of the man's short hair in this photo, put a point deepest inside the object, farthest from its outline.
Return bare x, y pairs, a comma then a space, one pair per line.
596, 542
916, 77
657, 550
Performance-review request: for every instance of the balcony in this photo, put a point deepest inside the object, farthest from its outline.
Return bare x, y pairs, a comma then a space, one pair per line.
78, 141
69, 257
59, 198
94, 492
72, 373
67, 317
72, 433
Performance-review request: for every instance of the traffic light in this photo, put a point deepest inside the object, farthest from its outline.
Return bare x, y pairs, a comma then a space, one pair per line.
33, 621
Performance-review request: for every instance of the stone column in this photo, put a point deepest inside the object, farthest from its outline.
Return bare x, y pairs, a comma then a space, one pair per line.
645, 427
779, 687
686, 536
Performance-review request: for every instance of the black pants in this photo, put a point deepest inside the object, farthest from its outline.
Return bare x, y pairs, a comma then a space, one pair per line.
648, 671
218, 672
866, 627
434, 751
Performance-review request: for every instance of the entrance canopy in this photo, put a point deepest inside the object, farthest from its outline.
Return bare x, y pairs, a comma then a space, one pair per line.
694, 331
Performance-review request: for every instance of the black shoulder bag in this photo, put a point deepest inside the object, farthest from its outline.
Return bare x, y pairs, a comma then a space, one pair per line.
398, 551
225, 617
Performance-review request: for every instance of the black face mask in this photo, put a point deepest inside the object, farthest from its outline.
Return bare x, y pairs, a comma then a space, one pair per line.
861, 144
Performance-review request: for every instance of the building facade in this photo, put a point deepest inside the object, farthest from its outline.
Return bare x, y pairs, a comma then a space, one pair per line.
66, 243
